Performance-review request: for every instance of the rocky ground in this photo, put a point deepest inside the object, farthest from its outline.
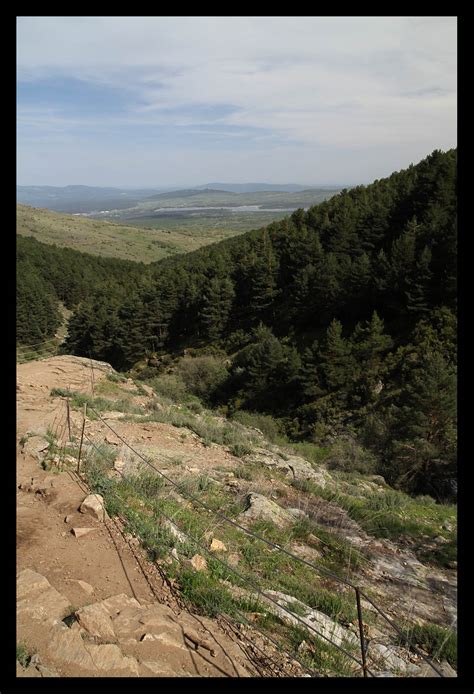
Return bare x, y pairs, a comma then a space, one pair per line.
90, 603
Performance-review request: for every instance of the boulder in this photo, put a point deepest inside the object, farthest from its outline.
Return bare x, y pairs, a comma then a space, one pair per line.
93, 504
37, 599
393, 658
309, 616
96, 620
117, 603
261, 508
36, 446
66, 647
109, 658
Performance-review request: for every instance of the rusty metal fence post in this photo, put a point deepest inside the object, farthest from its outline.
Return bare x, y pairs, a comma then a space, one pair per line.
361, 631
68, 417
82, 438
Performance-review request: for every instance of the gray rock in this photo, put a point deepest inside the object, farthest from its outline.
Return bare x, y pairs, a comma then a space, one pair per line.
297, 512
261, 508
293, 466
312, 618
174, 530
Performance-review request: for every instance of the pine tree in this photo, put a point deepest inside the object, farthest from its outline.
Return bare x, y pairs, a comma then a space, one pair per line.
308, 376
264, 272
334, 356
424, 452
369, 345
418, 285
216, 306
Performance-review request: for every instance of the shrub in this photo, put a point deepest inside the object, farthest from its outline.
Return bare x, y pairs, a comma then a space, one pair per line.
240, 449
202, 376
243, 473
265, 423
23, 655
170, 386
347, 455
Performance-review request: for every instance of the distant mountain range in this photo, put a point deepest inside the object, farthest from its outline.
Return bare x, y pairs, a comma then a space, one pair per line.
256, 187
88, 199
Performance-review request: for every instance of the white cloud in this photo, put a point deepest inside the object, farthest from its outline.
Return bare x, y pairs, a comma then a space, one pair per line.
345, 82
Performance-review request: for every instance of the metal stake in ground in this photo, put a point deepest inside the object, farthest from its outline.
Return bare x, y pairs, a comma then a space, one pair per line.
361, 632
68, 417
82, 437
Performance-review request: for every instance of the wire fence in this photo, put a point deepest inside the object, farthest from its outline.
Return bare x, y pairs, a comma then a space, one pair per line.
357, 658
40, 350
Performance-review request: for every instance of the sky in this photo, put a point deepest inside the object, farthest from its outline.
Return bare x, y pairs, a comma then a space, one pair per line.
179, 101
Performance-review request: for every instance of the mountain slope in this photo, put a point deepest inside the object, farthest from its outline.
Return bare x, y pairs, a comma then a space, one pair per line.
269, 489
93, 236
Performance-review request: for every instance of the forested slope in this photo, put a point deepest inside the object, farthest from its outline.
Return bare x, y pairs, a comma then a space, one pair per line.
340, 321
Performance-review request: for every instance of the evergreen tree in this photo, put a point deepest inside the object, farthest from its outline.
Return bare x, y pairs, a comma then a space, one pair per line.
418, 286
216, 307
369, 345
334, 357
424, 453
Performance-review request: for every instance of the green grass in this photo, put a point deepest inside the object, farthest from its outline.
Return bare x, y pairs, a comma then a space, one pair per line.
440, 643
97, 237
23, 654
78, 400
321, 656
390, 513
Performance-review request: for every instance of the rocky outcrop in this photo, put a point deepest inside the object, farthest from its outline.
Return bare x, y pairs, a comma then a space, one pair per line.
116, 637
293, 466
38, 600
261, 508
315, 620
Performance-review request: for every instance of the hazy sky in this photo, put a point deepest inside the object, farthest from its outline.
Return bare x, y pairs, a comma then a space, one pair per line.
144, 101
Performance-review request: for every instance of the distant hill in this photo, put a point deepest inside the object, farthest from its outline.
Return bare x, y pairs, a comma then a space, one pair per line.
210, 197
255, 187
81, 198
187, 193
97, 237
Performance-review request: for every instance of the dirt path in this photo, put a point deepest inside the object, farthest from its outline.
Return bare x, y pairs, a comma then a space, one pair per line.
107, 562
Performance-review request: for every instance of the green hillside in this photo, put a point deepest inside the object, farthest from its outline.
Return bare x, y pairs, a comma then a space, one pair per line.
338, 322
209, 197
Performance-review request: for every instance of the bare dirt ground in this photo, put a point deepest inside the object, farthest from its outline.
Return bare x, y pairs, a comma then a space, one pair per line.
103, 558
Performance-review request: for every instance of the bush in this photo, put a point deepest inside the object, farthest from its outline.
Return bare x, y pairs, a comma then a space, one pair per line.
202, 376
265, 423
348, 456
240, 449
169, 386
23, 655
